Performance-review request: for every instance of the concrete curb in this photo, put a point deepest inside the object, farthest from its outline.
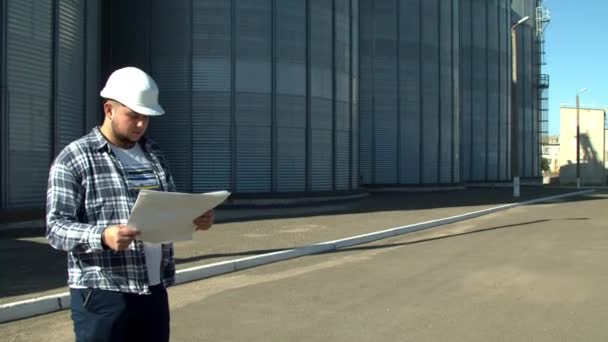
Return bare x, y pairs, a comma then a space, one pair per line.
61, 301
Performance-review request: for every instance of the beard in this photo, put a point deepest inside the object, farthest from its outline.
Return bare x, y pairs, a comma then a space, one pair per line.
123, 139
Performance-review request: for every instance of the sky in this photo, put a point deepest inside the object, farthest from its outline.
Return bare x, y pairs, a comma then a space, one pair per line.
576, 46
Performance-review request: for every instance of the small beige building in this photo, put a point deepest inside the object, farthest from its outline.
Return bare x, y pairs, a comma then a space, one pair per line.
550, 150
592, 145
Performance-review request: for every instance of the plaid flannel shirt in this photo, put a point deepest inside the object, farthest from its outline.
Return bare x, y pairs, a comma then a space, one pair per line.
87, 192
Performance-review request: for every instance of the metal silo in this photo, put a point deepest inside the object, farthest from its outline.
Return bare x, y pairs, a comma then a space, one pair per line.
409, 93
259, 94
486, 81
48, 67
528, 69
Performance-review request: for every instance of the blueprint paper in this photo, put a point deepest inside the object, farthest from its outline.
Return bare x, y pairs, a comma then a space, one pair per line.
168, 216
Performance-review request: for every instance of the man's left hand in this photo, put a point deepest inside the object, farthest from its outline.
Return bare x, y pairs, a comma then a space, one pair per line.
205, 221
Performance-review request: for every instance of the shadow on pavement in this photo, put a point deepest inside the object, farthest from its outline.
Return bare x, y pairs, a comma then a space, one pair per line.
403, 201
30, 267
477, 231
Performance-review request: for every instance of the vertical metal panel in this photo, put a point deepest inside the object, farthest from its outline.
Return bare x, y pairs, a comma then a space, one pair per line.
533, 123
308, 92
342, 115
410, 90
523, 96
535, 93
28, 90
509, 89
485, 82
528, 121
527, 39
527, 69
493, 113
273, 97
92, 64
128, 33
211, 97
342, 159
321, 61
479, 92
410, 128
365, 91
456, 92
446, 70
526, 124
170, 67
354, 104
534, 167
517, 8
430, 90
3, 111
333, 92
532, 119
466, 68
385, 92
503, 85
253, 100
290, 47
398, 90
69, 101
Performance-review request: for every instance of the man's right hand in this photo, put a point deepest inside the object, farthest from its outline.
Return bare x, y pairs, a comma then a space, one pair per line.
118, 237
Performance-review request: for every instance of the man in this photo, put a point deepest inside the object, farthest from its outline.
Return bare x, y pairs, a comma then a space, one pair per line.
117, 283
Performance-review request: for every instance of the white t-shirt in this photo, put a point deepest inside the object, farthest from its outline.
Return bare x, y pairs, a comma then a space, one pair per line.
141, 175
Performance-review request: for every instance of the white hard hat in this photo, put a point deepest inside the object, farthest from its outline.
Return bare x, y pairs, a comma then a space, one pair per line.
135, 89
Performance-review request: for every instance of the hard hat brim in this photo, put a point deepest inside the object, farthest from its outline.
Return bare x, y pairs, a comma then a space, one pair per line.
146, 110
155, 110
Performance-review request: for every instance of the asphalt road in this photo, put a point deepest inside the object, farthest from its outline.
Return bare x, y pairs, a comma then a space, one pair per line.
34, 269
533, 273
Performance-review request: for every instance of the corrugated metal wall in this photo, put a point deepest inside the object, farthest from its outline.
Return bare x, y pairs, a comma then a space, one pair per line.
171, 44
527, 88
212, 93
354, 93
409, 95
259, 94
486, 81
290, 95
263, 96
43, 89
29, 74
3, 121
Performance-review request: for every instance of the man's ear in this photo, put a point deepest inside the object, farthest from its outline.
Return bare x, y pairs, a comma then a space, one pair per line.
108, 110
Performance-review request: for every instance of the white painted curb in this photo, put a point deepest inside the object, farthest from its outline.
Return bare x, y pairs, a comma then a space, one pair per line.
33, 307
61, 301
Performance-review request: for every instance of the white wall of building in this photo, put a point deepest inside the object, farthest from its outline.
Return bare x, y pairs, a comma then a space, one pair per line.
592, 145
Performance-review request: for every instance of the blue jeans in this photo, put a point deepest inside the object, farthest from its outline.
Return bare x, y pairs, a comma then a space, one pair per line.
101, 315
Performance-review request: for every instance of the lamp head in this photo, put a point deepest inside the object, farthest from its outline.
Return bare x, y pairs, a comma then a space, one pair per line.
522, 20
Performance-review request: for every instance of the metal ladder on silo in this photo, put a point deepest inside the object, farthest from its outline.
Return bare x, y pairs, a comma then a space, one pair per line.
543, 18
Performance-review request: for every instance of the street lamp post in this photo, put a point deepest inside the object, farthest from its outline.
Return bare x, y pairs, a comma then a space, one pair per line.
604, 154
578, 141
514, 108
